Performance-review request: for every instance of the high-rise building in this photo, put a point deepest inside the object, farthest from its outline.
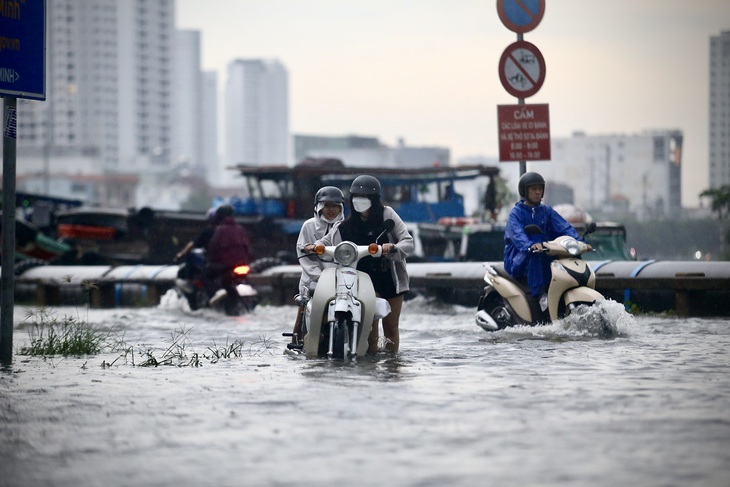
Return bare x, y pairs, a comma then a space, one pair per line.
719, 156
108, 86
187, 144
145, 69
209, 131
257, 113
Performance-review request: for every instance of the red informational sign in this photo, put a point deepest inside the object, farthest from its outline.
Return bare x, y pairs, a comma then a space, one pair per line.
524, 132
522, 69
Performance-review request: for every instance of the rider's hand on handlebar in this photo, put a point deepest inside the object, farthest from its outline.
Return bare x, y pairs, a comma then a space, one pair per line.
309, 248
387, 247
536, 247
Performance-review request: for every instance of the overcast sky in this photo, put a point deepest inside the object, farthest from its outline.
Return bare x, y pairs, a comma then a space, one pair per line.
427, 70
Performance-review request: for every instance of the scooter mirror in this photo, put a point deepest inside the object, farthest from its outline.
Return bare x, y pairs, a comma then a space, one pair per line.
388, 225
591, 228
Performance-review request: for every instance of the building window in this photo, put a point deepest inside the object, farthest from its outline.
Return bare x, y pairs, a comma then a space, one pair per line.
659, 152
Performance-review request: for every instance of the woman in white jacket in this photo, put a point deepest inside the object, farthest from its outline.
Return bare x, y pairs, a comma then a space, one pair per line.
329, 205
388, 273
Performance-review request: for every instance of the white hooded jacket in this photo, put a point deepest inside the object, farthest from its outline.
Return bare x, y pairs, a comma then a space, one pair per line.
312, 230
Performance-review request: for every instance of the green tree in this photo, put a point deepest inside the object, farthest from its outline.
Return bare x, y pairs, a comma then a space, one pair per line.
720, 202
720, 199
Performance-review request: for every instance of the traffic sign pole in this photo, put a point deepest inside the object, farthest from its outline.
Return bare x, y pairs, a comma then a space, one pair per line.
22, 69
522, 67
7, 280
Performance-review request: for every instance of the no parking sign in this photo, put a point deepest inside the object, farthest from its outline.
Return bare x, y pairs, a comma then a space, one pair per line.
521, 15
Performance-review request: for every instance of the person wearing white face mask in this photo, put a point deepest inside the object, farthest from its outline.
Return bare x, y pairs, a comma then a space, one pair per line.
388, 273
329, 205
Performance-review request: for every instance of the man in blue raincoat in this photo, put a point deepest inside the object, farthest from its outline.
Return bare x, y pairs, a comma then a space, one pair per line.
523, 256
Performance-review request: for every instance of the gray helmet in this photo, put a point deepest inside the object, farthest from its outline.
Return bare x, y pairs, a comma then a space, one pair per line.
529, 179
329, 194
365, 185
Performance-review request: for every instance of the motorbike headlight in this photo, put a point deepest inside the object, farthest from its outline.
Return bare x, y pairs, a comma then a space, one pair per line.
572, 246
345, 253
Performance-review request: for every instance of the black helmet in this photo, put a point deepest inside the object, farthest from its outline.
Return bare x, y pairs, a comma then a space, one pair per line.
365, 185
329, 194
529, 179
224, 211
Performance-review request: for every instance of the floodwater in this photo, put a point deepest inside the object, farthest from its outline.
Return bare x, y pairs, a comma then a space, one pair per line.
551, 405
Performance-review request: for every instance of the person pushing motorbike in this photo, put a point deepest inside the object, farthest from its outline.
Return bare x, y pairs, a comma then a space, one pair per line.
389, 273
523, 256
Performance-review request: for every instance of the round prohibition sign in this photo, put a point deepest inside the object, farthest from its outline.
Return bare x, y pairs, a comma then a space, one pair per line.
522, 69
520, 16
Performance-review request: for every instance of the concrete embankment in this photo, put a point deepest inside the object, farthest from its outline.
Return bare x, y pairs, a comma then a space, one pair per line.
689, 288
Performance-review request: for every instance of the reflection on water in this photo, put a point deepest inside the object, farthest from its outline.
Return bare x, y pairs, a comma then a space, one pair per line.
561, 404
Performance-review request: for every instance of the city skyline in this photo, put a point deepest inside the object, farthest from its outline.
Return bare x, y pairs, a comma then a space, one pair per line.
427, 72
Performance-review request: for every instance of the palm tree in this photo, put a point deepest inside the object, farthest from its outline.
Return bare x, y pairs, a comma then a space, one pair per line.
720, 198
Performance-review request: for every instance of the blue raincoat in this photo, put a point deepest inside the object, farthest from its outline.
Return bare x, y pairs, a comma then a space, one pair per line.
518, 260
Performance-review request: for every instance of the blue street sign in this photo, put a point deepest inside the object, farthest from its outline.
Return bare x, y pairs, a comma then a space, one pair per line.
521, 16
23, 49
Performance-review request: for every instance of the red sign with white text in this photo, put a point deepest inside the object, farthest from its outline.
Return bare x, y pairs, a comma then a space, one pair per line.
524, 132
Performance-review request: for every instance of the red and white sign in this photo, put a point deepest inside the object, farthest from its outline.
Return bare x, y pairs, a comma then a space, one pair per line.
522, 69
524, 132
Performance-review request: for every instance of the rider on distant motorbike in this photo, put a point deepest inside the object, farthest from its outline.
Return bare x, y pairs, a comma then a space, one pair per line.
228, 248
329, 206
523, 256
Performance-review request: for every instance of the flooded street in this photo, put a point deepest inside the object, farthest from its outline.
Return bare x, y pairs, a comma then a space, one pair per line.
551, 405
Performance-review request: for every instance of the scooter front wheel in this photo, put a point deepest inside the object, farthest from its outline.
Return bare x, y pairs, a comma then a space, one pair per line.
499, 311
341, 342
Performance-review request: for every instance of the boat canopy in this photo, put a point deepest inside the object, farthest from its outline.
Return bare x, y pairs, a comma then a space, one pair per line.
418, 194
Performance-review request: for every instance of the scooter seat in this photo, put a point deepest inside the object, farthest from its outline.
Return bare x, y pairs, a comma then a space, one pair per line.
522, 282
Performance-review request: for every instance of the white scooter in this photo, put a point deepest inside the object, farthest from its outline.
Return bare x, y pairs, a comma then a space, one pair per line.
508, 302
338, 318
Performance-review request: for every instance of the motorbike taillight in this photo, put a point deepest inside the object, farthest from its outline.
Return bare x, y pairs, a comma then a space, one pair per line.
241, 270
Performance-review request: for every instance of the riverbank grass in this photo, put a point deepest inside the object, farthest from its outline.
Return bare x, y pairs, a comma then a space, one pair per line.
66, 336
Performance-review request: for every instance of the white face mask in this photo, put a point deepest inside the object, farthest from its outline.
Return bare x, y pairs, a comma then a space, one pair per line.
361, 204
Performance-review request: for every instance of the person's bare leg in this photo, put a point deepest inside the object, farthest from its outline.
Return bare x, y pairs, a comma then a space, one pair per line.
298, 326
391, 324
374, 337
